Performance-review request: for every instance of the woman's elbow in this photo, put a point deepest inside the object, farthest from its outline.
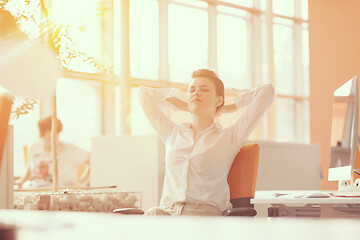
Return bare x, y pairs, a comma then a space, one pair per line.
269, 92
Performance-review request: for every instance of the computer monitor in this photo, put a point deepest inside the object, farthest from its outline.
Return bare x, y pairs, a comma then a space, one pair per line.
344, 131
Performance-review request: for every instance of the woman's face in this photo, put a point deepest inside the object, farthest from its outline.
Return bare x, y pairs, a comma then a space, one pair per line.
202, 97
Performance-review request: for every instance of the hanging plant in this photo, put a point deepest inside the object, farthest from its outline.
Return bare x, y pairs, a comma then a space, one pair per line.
33, 19
27, 106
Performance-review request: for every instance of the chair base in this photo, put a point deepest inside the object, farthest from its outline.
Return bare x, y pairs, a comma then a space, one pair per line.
241, 207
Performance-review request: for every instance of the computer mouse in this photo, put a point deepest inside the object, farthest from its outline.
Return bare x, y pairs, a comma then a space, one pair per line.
318, 195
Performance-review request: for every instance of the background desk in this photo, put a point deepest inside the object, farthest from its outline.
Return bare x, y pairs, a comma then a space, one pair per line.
295, 206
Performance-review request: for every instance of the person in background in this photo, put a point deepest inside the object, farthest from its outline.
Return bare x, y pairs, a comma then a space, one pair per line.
199, 154
69, 157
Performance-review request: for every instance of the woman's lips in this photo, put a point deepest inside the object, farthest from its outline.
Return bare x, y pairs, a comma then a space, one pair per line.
196, 100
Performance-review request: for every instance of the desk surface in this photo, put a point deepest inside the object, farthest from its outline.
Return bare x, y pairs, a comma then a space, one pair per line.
41, 225
296, 197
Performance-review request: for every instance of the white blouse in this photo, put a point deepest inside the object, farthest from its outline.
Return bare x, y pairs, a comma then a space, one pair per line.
69, 158
196, 170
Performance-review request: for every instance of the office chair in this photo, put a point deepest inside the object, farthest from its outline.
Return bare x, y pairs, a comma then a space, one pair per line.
242, 182
6, 101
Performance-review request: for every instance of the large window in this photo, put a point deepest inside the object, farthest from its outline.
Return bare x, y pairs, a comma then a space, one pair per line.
233, 47
144, 38
247, 43
115, 46
188, 41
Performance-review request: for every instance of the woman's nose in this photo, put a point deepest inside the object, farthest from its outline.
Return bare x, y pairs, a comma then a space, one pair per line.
197, 92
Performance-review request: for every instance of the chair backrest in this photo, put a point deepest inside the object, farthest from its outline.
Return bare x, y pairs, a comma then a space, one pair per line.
243, 173
6, 101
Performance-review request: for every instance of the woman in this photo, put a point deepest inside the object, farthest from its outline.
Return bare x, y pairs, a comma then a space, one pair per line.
40, 168
199, 154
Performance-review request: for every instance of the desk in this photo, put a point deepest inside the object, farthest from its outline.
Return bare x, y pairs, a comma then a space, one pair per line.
292, 205
43, 225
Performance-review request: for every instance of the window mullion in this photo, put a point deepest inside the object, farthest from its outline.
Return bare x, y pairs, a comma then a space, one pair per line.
124, 70
254, 56
163, 40
108, 109
271, 116
212, 13
298, 77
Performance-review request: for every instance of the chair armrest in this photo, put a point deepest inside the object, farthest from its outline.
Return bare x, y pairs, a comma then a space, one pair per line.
240, 211
129, 211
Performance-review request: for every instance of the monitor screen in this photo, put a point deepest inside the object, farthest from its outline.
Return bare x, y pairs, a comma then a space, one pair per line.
344, 131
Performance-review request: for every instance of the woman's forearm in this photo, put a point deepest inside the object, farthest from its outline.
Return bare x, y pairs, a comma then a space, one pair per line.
178, 103
227, 109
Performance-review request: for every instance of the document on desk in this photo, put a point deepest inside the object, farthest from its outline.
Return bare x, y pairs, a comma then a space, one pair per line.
346, 194
303, 195
288, 195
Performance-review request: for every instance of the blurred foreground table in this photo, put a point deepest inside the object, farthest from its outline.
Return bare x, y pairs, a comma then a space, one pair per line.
79, 225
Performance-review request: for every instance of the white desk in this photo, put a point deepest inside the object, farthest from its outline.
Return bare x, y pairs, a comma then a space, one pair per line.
41, 225
293, 205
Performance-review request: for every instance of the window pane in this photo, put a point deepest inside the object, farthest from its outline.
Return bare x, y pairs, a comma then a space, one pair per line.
25, 133
140, 125
263, 5
144, 39
285, 120
284, 59
233, 47
305, 60
264, 51
188, 42
80, 21
283, 7
304, 9
79, 109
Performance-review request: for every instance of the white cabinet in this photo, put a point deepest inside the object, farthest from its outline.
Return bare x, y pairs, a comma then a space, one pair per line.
288, 166
132, 163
